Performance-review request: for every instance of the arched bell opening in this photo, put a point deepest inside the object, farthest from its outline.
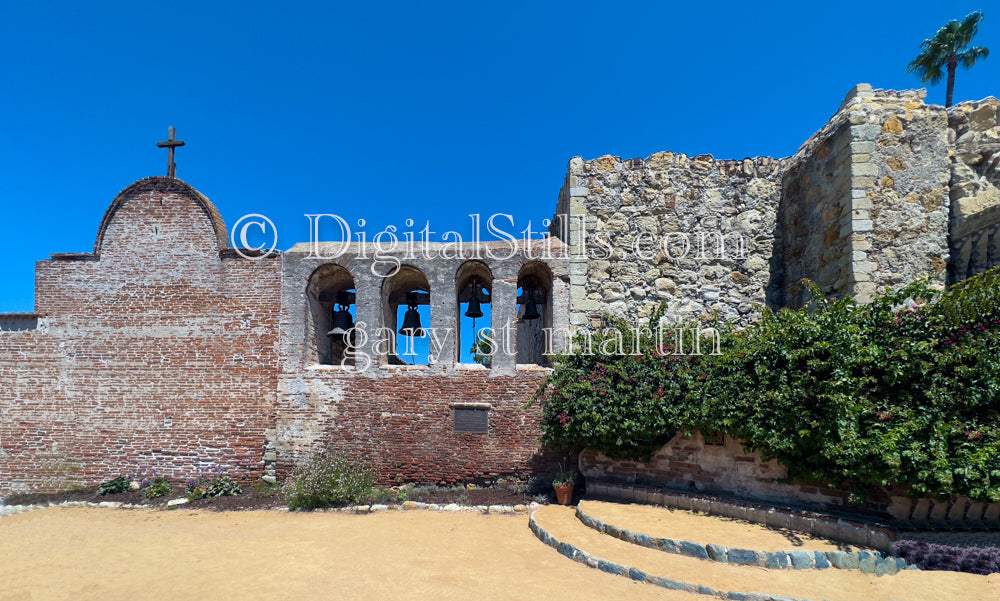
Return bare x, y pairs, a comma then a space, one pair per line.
332, 299
473, 296
406, 314
534, 313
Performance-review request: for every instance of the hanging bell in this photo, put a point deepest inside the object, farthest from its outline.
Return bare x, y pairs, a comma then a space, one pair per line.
474, 311
411, 323
531, 310
342, 322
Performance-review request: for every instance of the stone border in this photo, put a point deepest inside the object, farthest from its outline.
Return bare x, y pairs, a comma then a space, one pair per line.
844, 531
6, 510
865, 561
581, 556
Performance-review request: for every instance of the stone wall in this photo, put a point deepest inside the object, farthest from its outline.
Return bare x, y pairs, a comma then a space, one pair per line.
862, 208
815, 202
975, 188
899, 191
696, 233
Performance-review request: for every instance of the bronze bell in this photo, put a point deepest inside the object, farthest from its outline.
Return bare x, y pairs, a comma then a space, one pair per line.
342, 322
411, 323
474, 311
531, 310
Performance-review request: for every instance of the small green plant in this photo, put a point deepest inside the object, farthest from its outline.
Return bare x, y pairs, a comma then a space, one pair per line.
223, 486
565, 477
265, 489
328, 480
158, 487
114, 487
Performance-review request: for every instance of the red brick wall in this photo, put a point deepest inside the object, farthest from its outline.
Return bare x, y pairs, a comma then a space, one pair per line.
404, 424
154, 353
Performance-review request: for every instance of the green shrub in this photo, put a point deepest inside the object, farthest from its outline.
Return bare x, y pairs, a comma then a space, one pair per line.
328, 480
113, 487
158, 487
223, 486
905, 389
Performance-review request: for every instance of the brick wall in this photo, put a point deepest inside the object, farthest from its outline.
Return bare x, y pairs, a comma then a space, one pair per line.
154, 352
403, 424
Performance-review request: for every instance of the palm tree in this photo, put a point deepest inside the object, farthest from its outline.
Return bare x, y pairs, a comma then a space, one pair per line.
948, 48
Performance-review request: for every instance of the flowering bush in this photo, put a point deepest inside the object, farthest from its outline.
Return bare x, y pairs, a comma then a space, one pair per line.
328, 480
905, 389
928, 556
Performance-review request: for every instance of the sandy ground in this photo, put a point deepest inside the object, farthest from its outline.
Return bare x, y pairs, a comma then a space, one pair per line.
830, 584
686, 525
110, 554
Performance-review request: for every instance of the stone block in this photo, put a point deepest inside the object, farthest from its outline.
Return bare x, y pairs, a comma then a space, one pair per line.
802, 560
693, 550
800, 523
716, 552
843, 560
865, 133
820, 560
743, 557
866, 562
777, 519
921, 510
776, 561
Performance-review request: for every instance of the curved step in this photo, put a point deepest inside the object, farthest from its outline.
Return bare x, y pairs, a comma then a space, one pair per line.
558, 527
728, 541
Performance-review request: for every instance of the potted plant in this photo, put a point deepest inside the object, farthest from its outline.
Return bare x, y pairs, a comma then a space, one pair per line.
563, 484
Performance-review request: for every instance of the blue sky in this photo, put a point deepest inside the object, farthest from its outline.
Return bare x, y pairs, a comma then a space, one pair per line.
429, 111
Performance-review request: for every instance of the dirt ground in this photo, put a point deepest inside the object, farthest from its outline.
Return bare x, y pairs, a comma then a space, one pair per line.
112, 554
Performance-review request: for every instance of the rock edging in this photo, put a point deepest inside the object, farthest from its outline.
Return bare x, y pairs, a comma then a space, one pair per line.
6, 510
840, 530
868, 562
581, 556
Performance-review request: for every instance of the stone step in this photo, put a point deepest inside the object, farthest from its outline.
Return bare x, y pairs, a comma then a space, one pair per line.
728, 540
559, 528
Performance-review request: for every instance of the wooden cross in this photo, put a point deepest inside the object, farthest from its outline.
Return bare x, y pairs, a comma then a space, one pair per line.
170, 144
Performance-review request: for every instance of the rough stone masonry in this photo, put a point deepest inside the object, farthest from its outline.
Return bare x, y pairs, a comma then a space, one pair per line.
166, 350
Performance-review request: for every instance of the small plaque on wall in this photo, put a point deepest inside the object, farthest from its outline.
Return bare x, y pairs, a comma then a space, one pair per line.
474, 420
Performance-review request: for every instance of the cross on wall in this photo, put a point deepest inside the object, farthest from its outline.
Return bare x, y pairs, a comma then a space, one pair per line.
170, 144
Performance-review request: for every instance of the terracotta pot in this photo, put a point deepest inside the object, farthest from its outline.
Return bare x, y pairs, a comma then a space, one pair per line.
564, 494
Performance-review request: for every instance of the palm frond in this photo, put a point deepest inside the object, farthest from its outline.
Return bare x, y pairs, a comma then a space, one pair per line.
970, 56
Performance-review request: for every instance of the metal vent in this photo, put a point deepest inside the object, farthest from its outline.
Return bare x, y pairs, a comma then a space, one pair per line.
471, 419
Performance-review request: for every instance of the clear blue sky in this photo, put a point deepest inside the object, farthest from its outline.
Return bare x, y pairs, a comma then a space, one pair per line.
429, 111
